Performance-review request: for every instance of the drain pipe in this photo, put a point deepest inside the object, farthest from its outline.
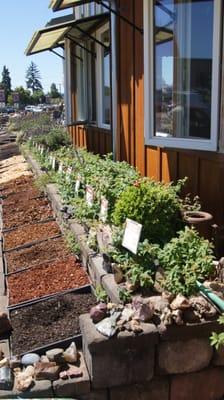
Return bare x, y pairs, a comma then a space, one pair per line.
113, 22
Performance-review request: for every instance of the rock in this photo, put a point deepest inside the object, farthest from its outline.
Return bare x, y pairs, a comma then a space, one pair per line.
127, 314
47, 371
135, 326
55, 354
14, 362
44, 358
107, 327
159, 303
168, 296
4, 362
5, 325
24, 379
72, 372
180, 302
30, 359
203, 307
166, 317
144, 309
98, 312
71, 354
118, 274
6, 379
177, 316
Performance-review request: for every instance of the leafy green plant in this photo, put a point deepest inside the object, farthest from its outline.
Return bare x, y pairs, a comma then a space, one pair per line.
155, 205
72, 243
101, 294
43, 180
185, 260
125, 296
217, 339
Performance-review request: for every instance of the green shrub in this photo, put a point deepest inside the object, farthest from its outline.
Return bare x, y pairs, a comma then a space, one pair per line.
155, 205
185, 260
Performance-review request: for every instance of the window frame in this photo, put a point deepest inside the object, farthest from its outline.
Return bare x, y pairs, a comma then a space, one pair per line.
99, 78
149, 73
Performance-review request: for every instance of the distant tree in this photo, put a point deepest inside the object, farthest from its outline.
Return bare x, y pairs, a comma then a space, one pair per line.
6, 82
38, 97
24, 95
33, 78
54, 93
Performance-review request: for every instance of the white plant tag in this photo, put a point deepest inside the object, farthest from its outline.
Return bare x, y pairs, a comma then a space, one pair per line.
103, 209
53, 163
132, 235
68, 174
42, 150
77, 184
60, 168
89, 195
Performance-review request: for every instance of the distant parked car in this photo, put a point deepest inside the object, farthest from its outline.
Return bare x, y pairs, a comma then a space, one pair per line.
29, 108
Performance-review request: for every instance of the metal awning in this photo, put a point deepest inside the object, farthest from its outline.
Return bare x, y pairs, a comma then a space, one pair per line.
57, 5
53, 34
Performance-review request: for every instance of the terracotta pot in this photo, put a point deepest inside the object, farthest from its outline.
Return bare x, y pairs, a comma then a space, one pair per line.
201, 221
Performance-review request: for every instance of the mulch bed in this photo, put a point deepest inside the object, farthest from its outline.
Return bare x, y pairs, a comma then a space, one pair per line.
48, 321
30, 233
48, 278
17, 185
26, 216
22, 196
53, 249
22, 205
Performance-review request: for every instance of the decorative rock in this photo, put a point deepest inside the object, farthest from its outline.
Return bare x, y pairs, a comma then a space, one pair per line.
46, 371
135, 326
177, 316
14, 362
5, 325
55, 354
44, 359
166, 317
72, 372
98, 312
159, 303
203, 307
118, 274
180, 302
4, 362
30, 359
144, 309
24, 379
71, 354
107, 326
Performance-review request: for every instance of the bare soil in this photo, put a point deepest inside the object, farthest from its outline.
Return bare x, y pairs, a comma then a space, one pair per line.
30, 214
53, 249
16, 185
22, 196
30, 233
48, 321
46, 279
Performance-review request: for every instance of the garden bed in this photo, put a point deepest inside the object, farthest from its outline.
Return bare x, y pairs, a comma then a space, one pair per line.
48, 321
30, 233
16, 185
53, 249
23, 205
46, 279
26, 216
21, 196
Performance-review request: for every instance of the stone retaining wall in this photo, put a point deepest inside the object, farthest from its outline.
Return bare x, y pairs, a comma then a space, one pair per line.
176, 363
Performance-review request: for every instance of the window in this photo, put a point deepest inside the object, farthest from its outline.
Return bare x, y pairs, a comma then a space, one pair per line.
80, 65
182, 50
92, 83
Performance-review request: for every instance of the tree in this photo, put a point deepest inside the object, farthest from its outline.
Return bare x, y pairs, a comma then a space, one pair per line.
33, 78
24, 95
6, 82
54, 93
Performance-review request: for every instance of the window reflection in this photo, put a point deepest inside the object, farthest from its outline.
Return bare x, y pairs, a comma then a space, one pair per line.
106, 79
183, 32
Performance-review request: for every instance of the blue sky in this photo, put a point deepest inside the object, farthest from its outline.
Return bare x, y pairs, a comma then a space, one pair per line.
19, 20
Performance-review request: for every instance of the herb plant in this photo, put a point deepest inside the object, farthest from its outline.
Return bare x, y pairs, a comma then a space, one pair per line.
185, 260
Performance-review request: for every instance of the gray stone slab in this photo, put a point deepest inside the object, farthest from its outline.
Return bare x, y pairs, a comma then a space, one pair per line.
76, 228
111, 288
96, 270
118, 361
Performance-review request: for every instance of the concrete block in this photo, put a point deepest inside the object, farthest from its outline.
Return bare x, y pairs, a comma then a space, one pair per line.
73, 386
76, 228
157, 389
111, 288
96, 270
207, 385
118, 361
182, 357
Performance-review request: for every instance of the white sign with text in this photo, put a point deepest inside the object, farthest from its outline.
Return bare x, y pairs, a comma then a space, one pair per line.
132, 235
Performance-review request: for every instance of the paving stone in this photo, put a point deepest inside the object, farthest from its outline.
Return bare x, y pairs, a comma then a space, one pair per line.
182, 357
40, 389
157, 389
111, 288
118, 361
205, 385
95, 269
73, 386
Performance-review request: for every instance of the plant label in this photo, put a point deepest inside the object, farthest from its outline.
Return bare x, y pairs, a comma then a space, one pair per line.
68, 174
60, 168
53, 163
77, 184
42, 150
132, 235
103, 209
89, 195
